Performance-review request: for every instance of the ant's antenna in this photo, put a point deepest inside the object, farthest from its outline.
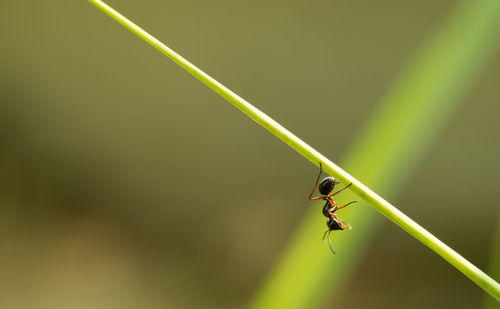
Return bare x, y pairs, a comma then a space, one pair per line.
327, 233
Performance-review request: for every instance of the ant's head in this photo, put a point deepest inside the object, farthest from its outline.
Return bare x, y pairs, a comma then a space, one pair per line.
326, 185
335, 224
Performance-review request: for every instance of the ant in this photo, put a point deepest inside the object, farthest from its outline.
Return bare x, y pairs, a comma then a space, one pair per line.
325, 188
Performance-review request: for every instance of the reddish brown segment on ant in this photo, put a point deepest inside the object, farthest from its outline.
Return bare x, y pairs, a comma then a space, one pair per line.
325, 188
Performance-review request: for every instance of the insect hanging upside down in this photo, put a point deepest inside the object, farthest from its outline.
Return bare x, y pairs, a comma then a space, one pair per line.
325, 188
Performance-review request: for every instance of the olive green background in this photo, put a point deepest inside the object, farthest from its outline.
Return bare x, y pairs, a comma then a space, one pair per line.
126, 183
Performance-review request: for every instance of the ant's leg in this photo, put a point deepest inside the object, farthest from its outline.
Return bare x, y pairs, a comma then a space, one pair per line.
315, 185
317, 198
347, 205
341, 189
333, 208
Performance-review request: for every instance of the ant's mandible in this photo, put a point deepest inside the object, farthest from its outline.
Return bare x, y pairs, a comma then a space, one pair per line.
325, 188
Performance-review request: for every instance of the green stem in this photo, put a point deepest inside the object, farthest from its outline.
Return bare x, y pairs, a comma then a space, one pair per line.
494, 263
384, 207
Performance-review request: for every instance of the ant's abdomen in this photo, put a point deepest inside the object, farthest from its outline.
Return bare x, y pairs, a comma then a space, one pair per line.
326, 185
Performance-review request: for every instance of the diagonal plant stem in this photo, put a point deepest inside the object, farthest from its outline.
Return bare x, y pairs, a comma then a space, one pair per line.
494, 263
384, 207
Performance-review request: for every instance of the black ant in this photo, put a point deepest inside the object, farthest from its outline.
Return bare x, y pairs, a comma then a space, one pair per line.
325, 188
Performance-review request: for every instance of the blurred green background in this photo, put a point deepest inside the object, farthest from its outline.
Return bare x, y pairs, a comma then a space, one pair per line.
127, 183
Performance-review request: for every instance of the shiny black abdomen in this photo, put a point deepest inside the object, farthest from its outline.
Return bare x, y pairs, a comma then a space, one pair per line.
326, 185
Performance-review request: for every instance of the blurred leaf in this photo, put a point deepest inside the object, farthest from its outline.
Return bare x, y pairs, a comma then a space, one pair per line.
406, 123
